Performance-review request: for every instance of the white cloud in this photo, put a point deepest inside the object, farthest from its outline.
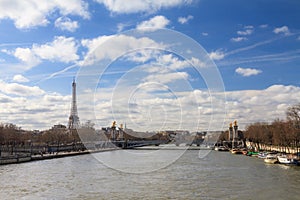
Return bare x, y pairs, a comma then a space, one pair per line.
247, 71
205, 34
27, 56
73, 7
197, 63
30, 13
154, 23
92, 44
165, 78
284, 29
238, 39
117, 46
135, 6
20, 78
122, 26
178, 109
172, 62
142, 56
249, 106
161, 110
184, 20
6, 51
217, 55
245, 32
151, 105
19, 89
35, 112
298, 38
65, 23
61, 49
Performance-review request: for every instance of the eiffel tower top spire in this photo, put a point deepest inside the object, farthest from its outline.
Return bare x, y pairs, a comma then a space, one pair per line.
73, 119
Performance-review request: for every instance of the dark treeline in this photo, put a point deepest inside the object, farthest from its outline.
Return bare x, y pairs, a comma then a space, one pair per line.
10, 134
14, 140
282, 133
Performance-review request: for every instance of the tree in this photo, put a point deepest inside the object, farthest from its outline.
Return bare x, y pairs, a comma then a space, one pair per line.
89, 124
257, 133
293, 114
293, 117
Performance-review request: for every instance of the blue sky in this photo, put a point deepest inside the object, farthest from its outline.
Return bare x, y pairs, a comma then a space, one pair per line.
44, 45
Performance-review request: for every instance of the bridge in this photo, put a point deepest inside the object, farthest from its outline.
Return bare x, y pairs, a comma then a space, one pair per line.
130, 144
141, 143
122, 144
137, 143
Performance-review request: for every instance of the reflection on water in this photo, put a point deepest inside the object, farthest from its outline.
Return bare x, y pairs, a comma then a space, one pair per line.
286, 167
139, 161
219, 175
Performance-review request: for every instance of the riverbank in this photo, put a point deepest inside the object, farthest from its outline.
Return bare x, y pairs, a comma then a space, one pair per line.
269, 157
15, 159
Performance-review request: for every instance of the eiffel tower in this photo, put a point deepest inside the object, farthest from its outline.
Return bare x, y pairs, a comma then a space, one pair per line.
73, 119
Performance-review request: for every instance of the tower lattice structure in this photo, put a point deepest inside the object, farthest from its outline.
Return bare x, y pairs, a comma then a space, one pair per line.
73, 119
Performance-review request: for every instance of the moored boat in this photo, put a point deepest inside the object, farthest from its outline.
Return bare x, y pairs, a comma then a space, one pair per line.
244, 151
271, 159
236, 151
221, 148
284, 159
252, 153
262, 155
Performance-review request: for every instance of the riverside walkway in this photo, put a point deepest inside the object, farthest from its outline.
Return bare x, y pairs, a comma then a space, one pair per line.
53, 152
15, 159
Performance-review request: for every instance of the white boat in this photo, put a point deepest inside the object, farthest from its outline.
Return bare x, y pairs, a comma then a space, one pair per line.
271, 159
221, 148
263, 155
284, 159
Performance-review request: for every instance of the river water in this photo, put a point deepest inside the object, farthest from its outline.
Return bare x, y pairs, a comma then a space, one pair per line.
218, 175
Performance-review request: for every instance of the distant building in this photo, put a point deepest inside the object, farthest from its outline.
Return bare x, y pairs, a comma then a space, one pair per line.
59, 127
